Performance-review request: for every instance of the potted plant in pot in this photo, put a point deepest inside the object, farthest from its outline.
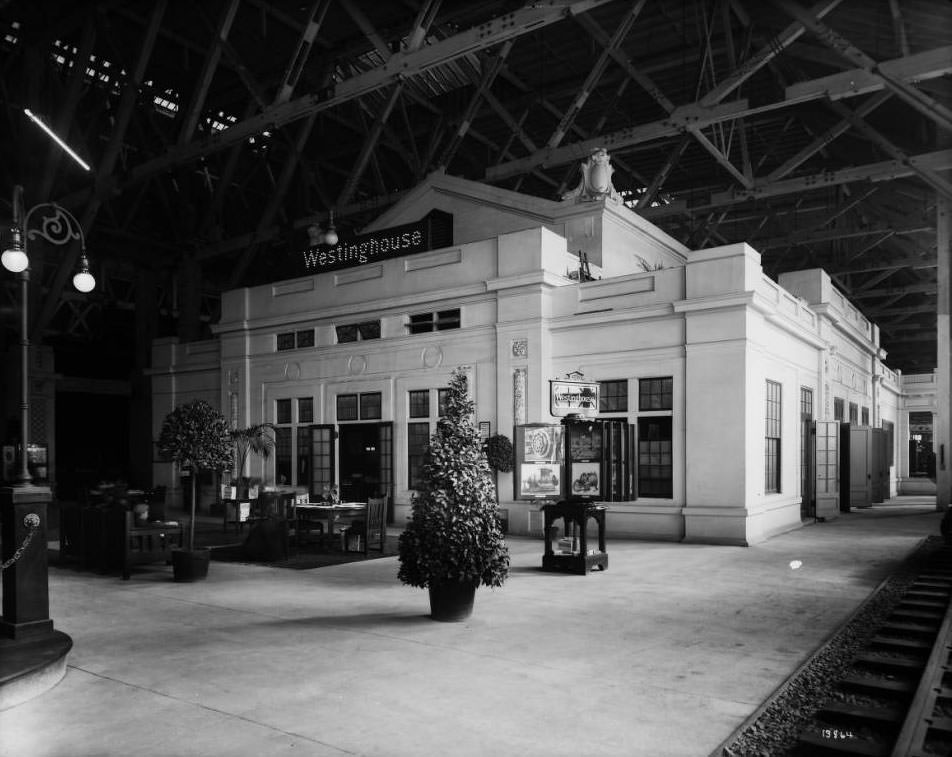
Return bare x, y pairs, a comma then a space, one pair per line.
253, 440
453, 541
195, 437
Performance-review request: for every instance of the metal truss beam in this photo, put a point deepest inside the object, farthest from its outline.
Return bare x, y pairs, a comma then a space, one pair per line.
400, 66
702, 114
887, 170
926, 105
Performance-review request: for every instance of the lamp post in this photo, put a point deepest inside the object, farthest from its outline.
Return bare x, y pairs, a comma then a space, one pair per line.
57, 226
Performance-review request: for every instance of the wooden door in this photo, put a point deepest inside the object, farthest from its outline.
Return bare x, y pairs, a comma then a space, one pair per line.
808, 455
879, 466
861, 466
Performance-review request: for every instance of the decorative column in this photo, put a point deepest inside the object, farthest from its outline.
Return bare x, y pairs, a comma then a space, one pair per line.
26, 606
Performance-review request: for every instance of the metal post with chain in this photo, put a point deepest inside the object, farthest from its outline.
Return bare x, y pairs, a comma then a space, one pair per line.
32, 522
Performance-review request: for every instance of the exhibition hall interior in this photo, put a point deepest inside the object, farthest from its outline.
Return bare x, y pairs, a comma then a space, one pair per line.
621, 327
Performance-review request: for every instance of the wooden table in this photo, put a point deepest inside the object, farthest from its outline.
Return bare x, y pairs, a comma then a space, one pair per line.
327, 512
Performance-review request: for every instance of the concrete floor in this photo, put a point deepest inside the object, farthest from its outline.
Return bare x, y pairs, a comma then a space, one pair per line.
663, 654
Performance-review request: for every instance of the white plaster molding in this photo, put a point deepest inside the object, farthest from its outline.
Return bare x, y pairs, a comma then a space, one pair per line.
295, 286
356, 275
421, 261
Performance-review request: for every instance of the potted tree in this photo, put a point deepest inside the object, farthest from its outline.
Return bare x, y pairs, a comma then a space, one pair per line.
195, 437
453, 542
253, 440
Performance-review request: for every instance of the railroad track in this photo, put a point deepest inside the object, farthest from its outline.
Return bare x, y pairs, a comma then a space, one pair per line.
895, 698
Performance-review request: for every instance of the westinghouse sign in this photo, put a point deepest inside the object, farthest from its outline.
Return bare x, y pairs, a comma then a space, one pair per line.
433, 231
573, 397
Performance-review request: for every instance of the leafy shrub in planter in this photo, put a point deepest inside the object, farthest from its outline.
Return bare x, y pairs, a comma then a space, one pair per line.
453, 535
195, 436
499, 453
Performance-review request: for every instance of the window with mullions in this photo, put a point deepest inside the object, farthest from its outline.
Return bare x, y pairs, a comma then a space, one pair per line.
442, 398
370, 406
282, 411
290, 340
854, 413
864, 416
347, 407
613, 396
418, 437
419, 403
352, 407
655, 467
655, 393
806, 403
282, 455
422, 323
839, 406
305, 410
292, 440
772, 413
354, 332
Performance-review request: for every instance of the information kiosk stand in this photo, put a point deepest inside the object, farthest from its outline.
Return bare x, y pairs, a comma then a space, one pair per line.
572, 553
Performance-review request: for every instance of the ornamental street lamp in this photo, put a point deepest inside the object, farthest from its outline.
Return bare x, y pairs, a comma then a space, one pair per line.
57, 226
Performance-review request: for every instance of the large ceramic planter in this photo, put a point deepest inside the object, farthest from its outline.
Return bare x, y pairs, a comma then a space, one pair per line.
190, 564
452, 602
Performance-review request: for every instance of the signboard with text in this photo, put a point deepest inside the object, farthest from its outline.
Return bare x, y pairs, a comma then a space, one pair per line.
433, 231
573, 398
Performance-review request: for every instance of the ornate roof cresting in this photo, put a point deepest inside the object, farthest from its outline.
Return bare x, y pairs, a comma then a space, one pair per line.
596, 183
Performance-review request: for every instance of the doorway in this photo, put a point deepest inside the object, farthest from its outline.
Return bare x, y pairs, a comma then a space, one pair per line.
366, 460
921, 456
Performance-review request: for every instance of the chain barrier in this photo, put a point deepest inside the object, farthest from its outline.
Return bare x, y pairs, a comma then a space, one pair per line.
32, 522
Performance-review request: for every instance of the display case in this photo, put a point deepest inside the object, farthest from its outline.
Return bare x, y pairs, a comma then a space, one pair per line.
583, 444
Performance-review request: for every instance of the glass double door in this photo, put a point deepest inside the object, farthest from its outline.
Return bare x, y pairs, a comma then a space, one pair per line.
365, 455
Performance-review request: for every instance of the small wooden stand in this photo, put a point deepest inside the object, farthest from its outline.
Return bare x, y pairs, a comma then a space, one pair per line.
575, 515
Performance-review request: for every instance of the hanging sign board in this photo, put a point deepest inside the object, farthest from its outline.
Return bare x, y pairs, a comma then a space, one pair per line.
573, 398
433, 231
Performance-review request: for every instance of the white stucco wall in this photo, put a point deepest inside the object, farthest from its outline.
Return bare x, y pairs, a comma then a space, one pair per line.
710, 319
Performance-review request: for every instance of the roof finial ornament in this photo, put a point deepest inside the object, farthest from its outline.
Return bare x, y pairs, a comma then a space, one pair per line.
596, 183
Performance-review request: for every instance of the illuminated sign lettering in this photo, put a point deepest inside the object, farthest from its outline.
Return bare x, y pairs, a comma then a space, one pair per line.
433, 231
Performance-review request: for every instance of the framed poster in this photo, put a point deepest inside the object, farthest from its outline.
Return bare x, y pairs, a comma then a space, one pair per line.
539, 481
539, 471
585, 480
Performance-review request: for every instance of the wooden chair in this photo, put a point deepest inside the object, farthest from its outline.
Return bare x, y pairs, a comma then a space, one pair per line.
372, 529
234, 511
155, 497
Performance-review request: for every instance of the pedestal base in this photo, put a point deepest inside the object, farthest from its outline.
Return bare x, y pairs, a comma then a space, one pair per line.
31, 667
580, 564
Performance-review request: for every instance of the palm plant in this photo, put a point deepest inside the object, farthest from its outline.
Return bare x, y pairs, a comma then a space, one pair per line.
257, 439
